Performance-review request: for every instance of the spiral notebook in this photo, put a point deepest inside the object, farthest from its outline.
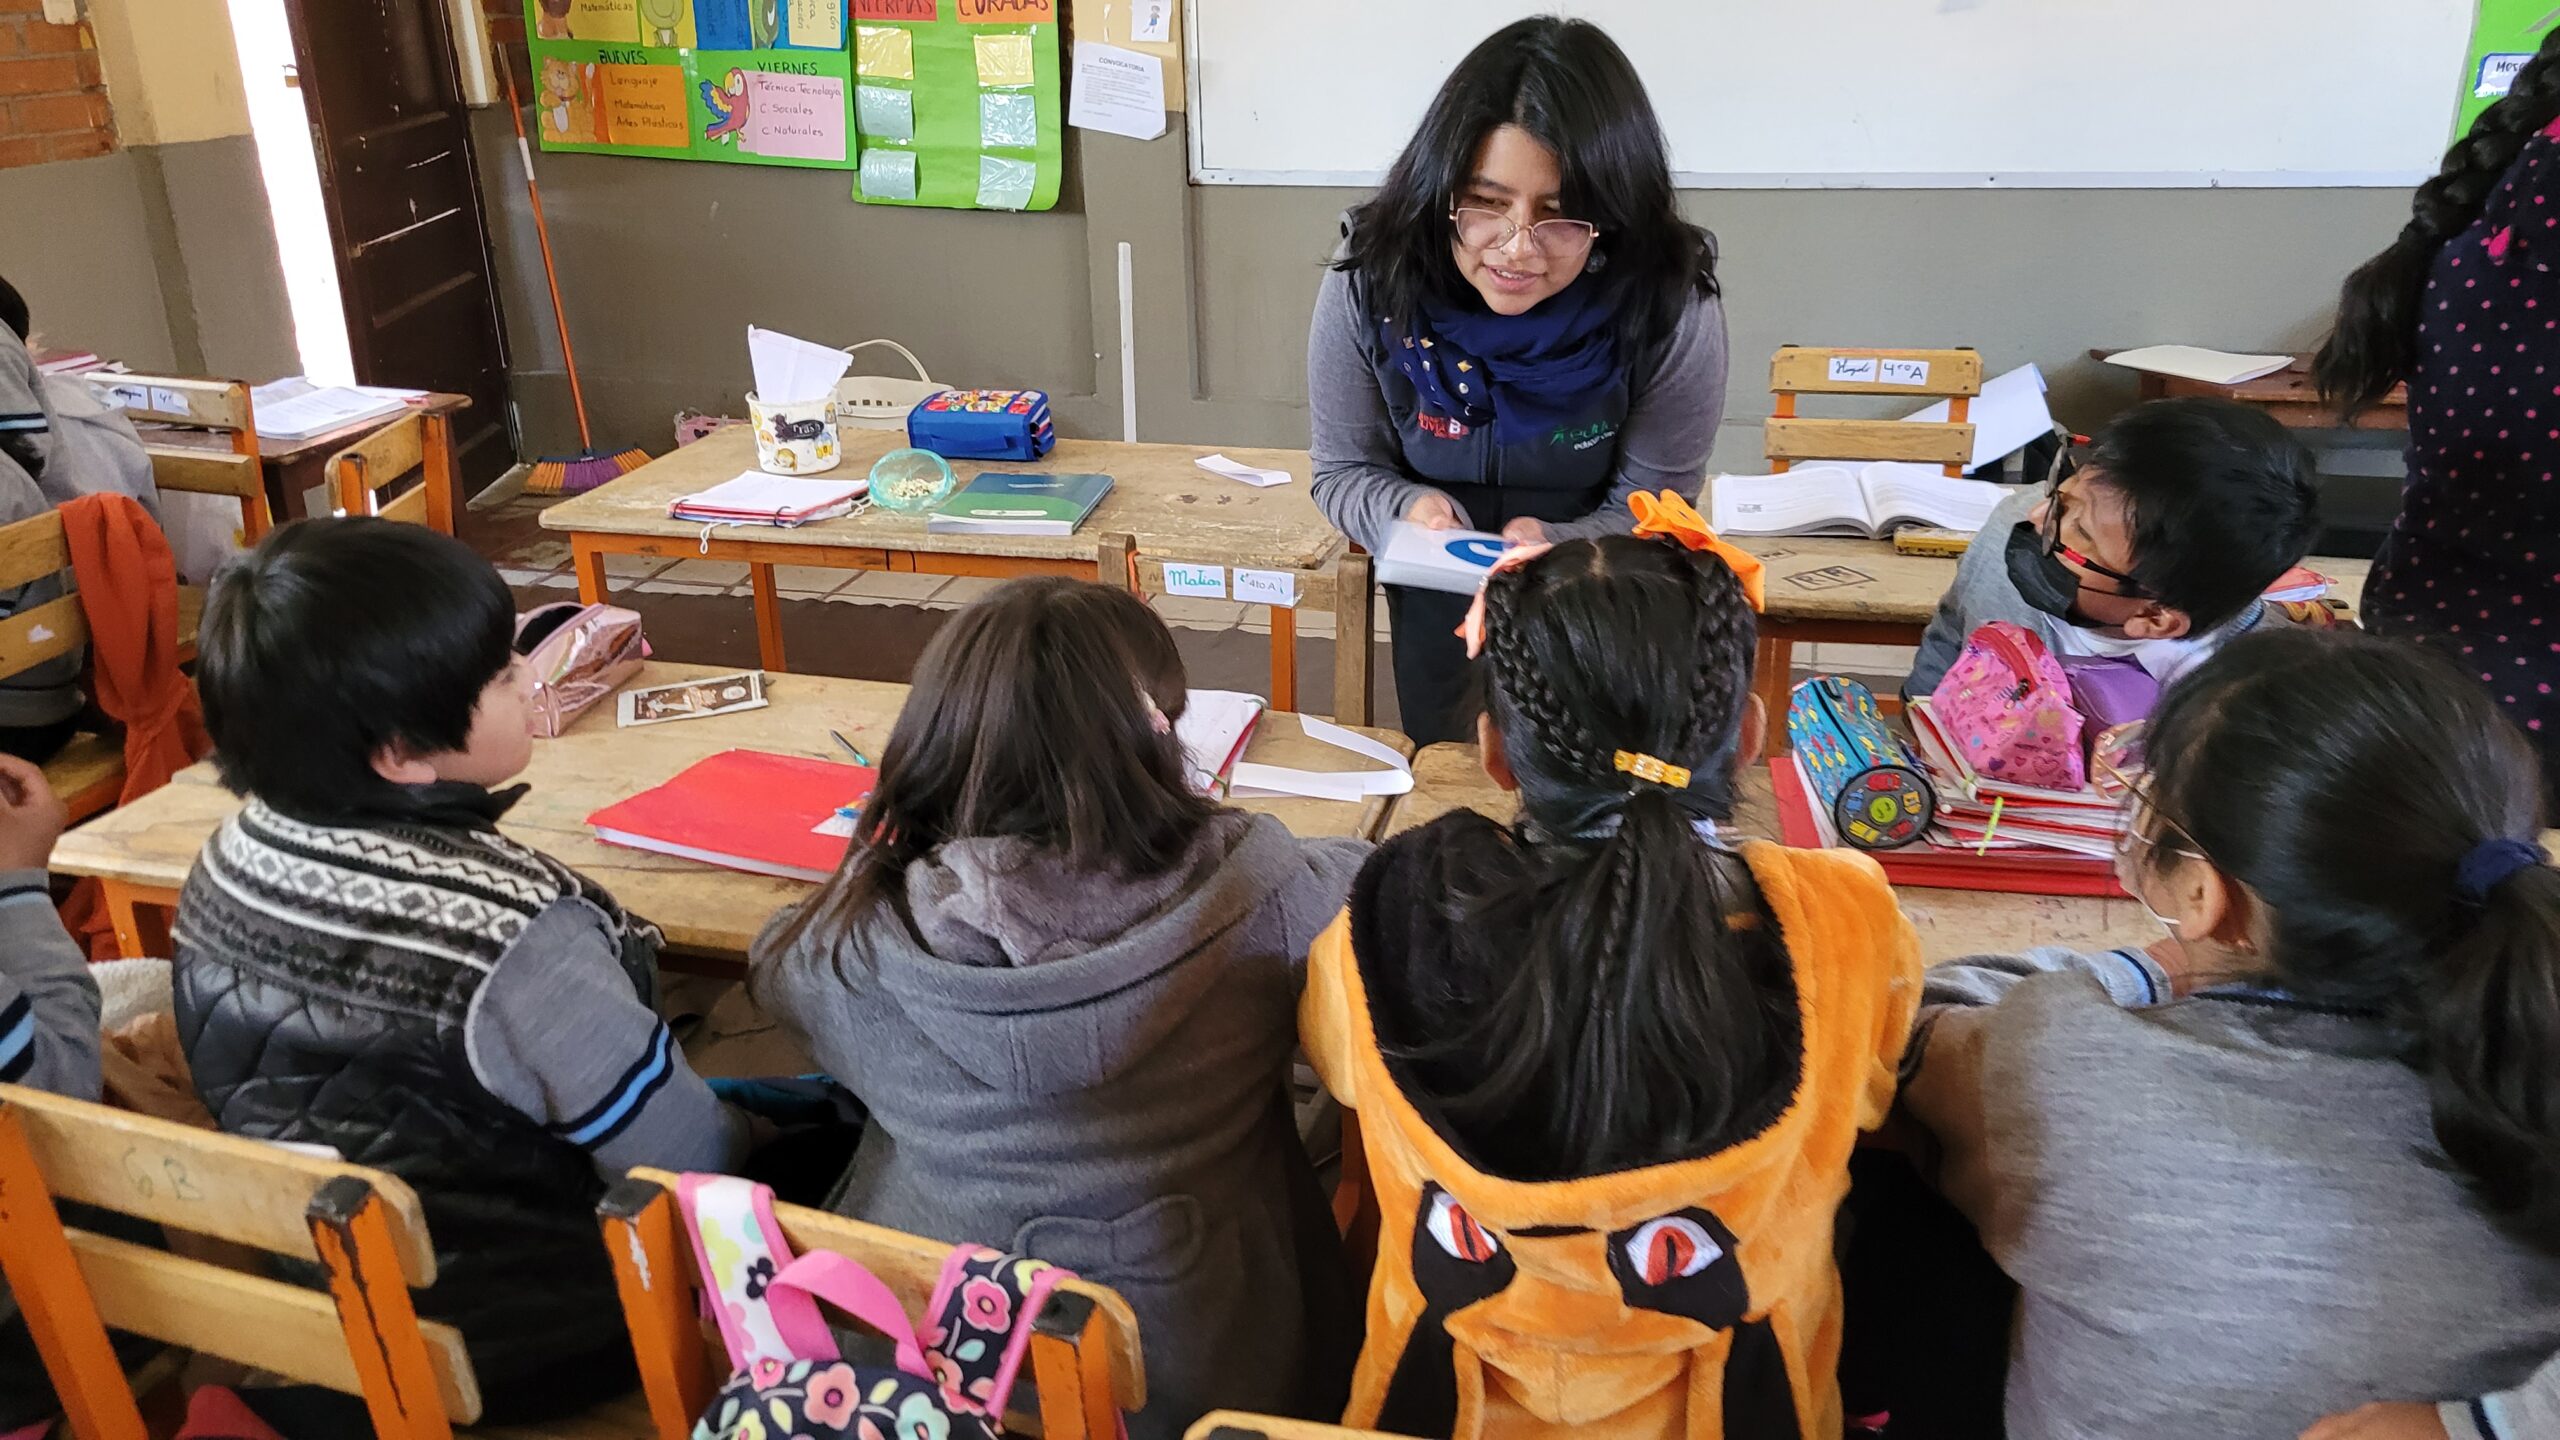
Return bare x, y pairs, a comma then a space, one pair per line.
756, 498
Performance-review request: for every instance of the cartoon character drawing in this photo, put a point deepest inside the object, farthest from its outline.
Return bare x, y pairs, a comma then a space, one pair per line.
551, 20
568, 103
727, 102
665, 21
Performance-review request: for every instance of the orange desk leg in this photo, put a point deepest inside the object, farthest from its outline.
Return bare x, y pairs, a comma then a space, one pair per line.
140, 915
443, 486
768, 617
1772, 680
1284, 658
592, 585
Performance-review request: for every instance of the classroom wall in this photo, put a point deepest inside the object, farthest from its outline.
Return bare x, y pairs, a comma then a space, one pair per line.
664, 263
161, 254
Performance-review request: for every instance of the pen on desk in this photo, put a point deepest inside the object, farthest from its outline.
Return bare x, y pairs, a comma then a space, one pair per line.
847, 745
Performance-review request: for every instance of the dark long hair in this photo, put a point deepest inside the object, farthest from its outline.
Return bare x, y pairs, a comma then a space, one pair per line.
1570, 86
2343, 779
1028, 719
1648, 1013
2375, 344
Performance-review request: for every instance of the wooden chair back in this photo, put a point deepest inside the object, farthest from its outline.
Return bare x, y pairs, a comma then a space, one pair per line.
221, 407
1085, 1357
419, 443
1237, 1425
1951, 375
30, 550
362, 1227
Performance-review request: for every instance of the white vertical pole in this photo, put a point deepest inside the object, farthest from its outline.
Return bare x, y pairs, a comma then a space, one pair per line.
1128, 350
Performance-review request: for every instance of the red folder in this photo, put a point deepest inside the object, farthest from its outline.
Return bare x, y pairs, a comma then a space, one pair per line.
744, 810
2041, 872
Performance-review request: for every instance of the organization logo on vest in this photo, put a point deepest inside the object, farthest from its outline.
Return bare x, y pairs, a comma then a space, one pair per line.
1441, 426
1583, 437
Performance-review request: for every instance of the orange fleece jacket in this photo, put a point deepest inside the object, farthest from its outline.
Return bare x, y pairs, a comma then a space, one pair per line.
1542, 1295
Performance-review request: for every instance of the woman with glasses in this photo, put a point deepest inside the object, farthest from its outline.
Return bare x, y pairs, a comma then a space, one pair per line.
2305, 1152
1519, 332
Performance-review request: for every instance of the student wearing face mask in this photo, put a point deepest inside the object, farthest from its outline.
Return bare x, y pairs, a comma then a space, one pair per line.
2156, 550
2306, 1153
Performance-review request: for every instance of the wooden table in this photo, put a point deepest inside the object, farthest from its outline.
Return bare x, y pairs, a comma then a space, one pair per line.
295, 467
143, 851
2288, 395
1952, 923
1162, 509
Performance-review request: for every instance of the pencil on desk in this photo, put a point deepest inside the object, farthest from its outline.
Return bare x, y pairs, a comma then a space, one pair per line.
847, 745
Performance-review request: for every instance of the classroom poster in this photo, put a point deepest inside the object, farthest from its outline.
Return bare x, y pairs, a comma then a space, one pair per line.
751, 82
956, 103
2504, 35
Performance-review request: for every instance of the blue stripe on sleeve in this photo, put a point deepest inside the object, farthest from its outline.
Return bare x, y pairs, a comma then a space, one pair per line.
615, 1112
17, 1039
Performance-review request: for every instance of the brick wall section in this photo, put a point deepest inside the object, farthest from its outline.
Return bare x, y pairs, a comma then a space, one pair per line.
53, 102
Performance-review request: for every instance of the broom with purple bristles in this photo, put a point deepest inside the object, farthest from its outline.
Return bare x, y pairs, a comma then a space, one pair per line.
589, 468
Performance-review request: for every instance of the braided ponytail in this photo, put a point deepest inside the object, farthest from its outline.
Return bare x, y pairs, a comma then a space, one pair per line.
1647, 1010
2375, 344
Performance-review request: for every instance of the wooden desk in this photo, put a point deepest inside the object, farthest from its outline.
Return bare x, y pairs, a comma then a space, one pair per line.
295, 467
1161, 504
2288, 395
144, 850
1952, 923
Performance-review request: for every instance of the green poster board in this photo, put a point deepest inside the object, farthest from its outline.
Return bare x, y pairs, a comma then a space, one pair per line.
2503, 37
771, 85
957, 103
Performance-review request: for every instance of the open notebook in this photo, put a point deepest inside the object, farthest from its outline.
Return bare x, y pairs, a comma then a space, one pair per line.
1872, 501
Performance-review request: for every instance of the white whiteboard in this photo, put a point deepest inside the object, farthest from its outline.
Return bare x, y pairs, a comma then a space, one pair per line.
1759, 94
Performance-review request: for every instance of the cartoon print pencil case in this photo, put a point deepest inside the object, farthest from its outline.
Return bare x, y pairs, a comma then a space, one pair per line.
983, 424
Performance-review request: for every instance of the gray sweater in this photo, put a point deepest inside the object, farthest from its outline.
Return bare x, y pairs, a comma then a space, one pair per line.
47, 693
1361, 484
1091, 1070
48, 1000
2227, 1216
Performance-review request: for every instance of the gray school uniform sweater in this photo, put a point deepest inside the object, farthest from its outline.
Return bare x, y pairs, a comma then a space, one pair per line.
1091, 1070
2227, 1215
48, 1000
49, 693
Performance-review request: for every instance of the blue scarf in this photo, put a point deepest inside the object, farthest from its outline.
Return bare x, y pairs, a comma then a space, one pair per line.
1530, 375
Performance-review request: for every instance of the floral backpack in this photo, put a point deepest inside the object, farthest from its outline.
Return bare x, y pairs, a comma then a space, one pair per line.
2006, 707
951, 1379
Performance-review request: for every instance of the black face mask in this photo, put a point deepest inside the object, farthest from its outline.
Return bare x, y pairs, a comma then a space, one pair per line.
2043, 581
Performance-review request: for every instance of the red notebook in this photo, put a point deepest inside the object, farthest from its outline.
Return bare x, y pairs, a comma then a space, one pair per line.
745, 810
2044, 872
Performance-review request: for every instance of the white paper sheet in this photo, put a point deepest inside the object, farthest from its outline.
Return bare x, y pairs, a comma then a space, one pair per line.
1120, 92
789, 371
295, 409
2194, 362
1238, 470
2010, 412
1251, 779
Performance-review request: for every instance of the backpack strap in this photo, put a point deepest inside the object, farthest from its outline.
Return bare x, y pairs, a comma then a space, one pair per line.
743, 1255
982, 1310
843, 1283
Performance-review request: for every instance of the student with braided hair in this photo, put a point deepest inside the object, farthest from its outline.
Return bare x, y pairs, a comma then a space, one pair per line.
2465, 307
1609, 1061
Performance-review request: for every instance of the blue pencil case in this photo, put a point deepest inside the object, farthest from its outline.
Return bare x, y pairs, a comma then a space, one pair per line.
983, 424
1856, 767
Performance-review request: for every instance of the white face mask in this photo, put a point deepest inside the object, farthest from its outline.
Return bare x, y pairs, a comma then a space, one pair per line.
2129, 876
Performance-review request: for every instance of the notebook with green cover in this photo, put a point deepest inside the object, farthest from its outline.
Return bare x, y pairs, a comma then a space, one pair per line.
998, 502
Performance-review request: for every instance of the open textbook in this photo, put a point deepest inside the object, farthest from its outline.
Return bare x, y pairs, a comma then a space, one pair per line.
1873, 501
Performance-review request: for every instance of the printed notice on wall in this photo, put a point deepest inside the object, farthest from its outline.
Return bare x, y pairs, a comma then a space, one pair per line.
799, 116
643, 105
1117, 91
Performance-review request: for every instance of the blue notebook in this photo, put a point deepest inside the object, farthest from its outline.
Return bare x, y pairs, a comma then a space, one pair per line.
997, 502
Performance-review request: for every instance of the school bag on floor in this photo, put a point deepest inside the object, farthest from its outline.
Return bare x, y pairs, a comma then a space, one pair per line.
952, 1379
2006, 704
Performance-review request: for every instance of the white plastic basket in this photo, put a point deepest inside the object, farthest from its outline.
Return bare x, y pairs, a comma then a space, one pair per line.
881, 402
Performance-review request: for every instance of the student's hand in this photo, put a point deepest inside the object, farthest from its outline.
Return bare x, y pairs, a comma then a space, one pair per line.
31, 816
2392, 1420
1433, 511
1525, 531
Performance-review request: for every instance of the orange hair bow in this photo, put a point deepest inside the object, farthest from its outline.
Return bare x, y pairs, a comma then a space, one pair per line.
1673, 518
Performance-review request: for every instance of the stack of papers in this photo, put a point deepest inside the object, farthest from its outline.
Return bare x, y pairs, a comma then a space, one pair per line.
756, 498
2190, 362
1214, 728
2017, 819
1453, 561
295, 409
790, 371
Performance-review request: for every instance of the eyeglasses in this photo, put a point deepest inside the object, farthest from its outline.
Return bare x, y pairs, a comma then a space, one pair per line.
2127, 587
1493, 230
2138, 803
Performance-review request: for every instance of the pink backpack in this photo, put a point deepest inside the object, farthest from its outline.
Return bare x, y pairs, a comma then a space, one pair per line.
2006, 705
